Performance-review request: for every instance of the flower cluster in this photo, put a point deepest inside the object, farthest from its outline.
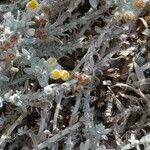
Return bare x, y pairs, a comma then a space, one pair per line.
128, 10
60, 74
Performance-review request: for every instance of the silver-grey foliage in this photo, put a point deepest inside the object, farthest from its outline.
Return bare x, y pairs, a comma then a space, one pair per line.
107, 106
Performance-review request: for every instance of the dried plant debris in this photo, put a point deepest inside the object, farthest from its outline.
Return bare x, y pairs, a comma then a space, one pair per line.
75, 74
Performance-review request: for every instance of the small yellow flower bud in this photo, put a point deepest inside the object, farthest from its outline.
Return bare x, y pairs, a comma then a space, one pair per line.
55, 74
65, 75
32, 5
6, 45
138, 4
117, 16
52, 61
128, 16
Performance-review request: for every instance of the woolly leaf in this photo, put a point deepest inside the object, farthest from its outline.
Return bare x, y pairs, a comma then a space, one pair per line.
93, 3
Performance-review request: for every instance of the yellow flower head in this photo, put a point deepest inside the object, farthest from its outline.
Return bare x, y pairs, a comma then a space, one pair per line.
65, 75
117, 16
128, 16
55, 74
32, 5
52, 61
